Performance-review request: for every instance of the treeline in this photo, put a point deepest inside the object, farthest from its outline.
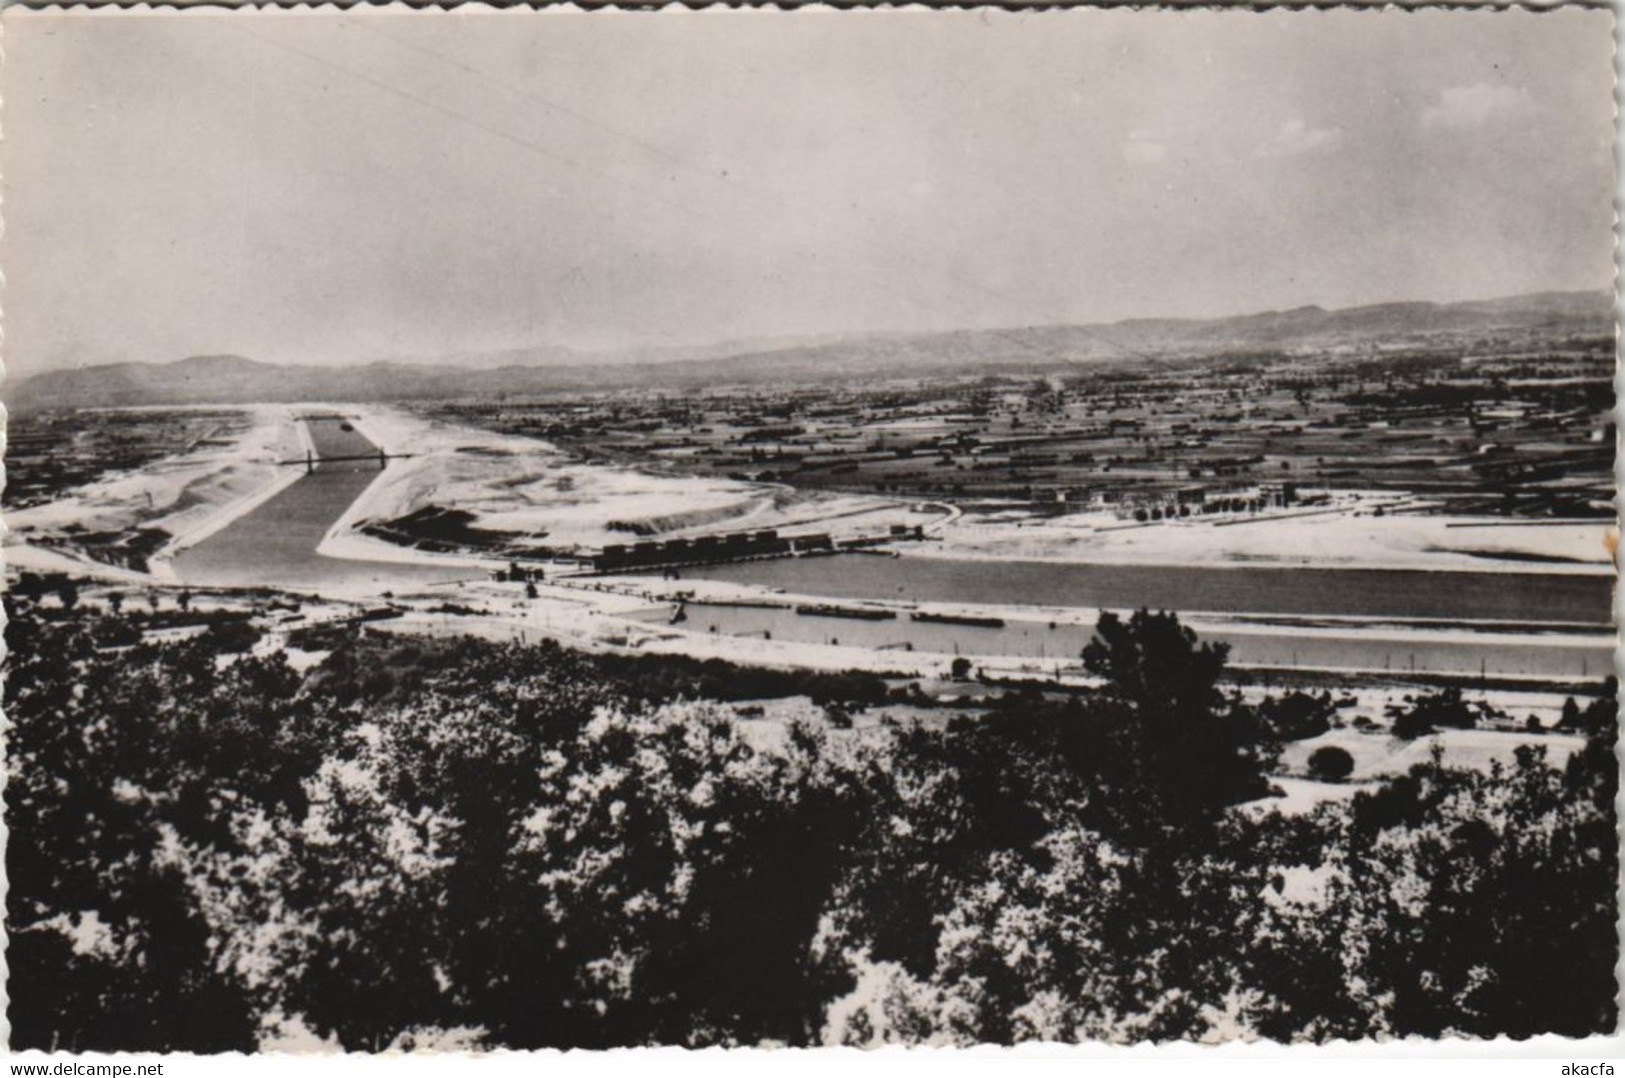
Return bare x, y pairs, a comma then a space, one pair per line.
419, 843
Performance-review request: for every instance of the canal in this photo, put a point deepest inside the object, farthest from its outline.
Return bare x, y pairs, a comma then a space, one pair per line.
275, 544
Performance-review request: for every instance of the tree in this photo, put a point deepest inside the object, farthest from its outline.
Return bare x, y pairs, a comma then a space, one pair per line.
839, 717
231, 637
560, 849
1427, 714
1486, 899
1330, 763
1178, 739
67, 593
1297, 716
960, 668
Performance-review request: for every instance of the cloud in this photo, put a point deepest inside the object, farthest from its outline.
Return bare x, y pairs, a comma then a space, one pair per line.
1477, 105
1294, 138
1145, 147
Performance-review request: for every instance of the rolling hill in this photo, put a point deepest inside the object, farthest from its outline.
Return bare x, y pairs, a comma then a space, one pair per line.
225, 379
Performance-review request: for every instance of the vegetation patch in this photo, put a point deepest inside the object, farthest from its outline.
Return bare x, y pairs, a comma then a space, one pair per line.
540, 847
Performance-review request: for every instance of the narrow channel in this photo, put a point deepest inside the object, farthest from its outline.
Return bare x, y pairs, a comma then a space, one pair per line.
275, 544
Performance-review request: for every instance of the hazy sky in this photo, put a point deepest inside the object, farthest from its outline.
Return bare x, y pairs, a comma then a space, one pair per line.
337, 188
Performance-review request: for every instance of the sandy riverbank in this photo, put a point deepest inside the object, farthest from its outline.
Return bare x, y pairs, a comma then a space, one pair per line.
1347, 534
489, 474
536, 495
531, 491
189, 496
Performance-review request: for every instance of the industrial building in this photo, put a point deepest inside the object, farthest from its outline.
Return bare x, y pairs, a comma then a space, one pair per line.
705, 549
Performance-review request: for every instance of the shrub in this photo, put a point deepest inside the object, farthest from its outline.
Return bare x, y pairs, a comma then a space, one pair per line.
233, 636
1444, 708
1297, 716
1331, 764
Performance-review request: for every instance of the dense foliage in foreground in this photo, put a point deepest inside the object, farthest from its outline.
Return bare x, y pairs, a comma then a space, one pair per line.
462, 842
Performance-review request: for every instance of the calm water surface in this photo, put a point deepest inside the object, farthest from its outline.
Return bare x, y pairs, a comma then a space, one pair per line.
1463, 596
1567, 657
275, 545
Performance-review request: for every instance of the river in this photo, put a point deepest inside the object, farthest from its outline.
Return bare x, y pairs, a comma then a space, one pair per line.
1493, 654
1456, 597
275, 544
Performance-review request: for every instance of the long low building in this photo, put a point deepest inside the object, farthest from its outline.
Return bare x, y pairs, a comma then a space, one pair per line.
703, 549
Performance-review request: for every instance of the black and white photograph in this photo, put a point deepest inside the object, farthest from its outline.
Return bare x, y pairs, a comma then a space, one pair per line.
766, 528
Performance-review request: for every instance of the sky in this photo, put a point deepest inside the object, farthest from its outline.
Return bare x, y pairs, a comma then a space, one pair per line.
341, 188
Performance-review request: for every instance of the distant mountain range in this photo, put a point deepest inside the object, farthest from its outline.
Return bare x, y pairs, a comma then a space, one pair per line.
520, 372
